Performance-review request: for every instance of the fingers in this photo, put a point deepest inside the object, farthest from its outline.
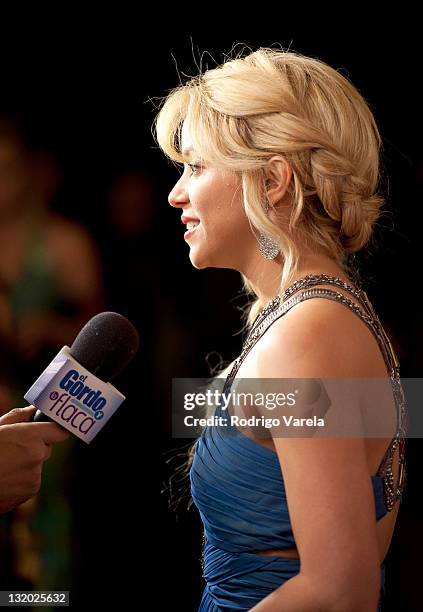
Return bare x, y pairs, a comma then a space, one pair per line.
18, 415
48, 451
50, 433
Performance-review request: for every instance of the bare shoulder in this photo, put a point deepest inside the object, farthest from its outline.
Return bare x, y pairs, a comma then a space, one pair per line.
319, 338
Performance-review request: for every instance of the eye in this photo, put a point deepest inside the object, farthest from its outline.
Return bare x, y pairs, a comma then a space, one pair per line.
194, 168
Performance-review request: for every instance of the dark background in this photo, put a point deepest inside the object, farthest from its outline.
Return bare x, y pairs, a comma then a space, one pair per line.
84, 92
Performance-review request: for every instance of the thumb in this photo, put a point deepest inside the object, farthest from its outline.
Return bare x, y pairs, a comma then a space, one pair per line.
18, 415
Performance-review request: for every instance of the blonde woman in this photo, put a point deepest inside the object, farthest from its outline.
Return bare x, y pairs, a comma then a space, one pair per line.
280, 157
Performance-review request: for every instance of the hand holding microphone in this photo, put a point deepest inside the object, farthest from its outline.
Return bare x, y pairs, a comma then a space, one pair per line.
74, 391
24, 447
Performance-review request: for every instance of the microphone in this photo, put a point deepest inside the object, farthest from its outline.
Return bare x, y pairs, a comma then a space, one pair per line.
74, 390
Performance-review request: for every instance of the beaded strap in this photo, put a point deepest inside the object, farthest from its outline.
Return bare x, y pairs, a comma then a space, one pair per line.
303, 283
277, 307
322, 279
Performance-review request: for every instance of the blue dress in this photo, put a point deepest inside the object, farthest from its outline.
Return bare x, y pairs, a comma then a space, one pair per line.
238, 488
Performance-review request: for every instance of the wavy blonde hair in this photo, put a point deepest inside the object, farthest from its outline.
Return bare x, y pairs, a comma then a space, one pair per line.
269, 102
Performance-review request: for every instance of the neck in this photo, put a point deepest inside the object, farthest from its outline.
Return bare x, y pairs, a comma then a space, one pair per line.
265, 275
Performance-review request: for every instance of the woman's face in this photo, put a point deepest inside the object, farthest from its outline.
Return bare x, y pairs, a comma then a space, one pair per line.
212, 198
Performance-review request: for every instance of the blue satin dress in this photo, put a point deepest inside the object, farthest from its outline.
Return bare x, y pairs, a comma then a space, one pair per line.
238, 488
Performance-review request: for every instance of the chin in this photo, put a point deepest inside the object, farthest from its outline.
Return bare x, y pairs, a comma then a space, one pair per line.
202, 256
201, 261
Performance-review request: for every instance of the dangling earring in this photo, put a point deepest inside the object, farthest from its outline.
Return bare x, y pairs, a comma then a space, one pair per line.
269, 248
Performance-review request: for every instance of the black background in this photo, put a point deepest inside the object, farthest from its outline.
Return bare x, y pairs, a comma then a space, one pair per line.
85, 88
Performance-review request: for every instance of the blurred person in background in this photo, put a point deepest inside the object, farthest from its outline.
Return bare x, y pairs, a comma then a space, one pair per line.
51, 280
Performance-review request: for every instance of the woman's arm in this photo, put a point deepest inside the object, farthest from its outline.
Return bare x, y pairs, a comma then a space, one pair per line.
328, 485
304, 594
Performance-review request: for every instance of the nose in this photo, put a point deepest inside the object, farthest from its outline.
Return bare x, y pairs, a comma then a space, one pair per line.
179, 195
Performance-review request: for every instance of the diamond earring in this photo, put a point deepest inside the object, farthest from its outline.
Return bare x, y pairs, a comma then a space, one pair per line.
269, 248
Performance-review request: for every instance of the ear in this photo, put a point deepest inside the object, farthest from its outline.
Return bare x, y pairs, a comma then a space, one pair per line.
277, 177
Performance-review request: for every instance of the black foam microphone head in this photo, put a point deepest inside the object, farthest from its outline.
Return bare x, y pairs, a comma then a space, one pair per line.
105, 345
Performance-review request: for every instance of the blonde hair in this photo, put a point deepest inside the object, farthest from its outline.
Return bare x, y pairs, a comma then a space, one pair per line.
269, 102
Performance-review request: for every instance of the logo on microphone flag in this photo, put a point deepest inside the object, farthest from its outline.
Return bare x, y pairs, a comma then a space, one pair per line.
73, 397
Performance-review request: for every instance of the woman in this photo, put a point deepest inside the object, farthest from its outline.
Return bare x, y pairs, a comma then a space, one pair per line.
281, 169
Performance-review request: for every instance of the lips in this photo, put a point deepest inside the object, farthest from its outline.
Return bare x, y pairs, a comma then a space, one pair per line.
192, 227
185, 220
192, 223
